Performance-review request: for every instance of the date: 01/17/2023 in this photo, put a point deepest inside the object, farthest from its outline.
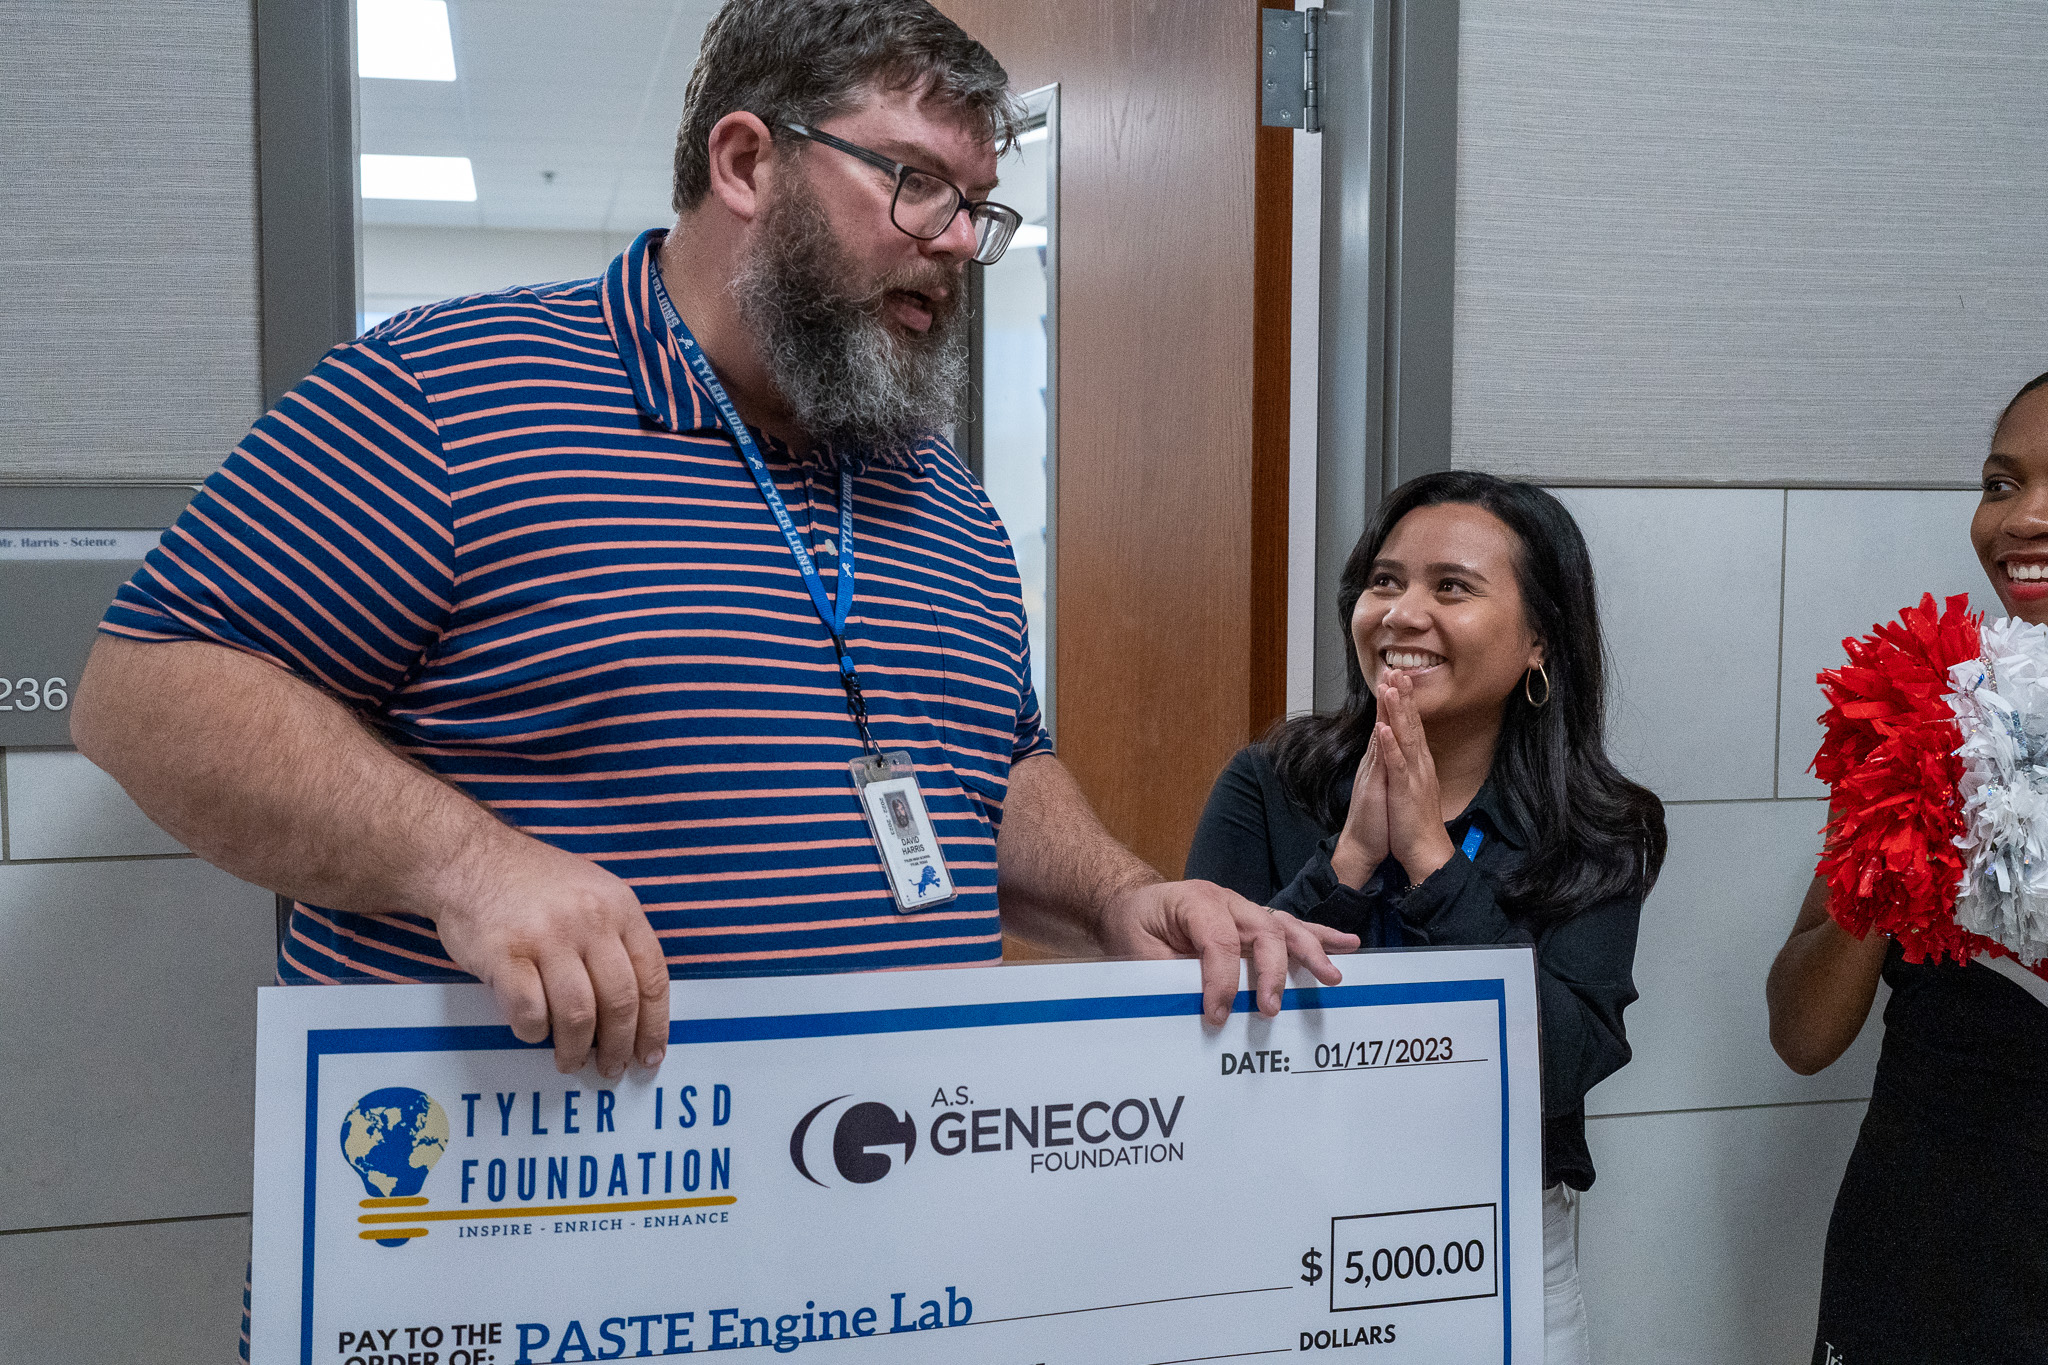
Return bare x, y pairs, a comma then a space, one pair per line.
1363, 1054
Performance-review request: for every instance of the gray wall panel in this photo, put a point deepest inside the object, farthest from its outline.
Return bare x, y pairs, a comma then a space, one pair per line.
1700, 1033
1745, 240
163, 1293
1700, 1244
1692, 703
128, 345
127, 1040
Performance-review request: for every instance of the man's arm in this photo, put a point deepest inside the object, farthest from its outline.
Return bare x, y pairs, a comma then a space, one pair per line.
1071, 886
278, 783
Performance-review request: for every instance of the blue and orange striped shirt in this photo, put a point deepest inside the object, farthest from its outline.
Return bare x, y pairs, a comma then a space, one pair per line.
510, 531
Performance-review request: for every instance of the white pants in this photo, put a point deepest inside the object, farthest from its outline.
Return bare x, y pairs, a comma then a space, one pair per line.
1564, 1308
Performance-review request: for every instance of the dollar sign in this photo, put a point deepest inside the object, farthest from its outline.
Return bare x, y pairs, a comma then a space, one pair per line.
1311, 1266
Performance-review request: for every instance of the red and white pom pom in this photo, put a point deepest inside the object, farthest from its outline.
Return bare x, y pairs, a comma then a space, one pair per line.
2000, 700
1891, 861
1937, 728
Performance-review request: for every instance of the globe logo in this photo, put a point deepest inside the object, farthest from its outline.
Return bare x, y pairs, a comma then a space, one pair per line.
392, 1138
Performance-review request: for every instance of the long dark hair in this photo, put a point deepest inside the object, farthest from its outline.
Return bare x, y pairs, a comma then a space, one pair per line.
1596, 835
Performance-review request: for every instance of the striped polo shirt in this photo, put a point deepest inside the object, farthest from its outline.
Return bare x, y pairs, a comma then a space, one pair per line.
510, 531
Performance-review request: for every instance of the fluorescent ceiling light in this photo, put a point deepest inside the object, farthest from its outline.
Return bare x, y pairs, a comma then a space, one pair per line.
1031, 135
1030, 235
404, 40
418, 177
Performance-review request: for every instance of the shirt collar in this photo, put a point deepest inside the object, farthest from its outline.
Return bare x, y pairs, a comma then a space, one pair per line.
662, 384
667, 392
1493, 813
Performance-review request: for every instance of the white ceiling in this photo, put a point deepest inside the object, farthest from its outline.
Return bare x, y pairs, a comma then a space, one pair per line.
590, 90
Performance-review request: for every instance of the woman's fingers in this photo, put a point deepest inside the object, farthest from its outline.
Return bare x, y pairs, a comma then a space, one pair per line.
1388, 732
1404, 733
1407, 721
1415, 831
1401, 794
1392, 756
1362, 844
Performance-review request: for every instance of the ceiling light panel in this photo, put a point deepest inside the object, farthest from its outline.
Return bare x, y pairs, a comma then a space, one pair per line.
404, 40
446, 178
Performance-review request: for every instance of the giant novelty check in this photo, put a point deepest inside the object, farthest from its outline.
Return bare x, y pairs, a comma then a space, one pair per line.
1045, 1165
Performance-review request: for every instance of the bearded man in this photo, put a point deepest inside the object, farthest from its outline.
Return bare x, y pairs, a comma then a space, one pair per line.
556, 637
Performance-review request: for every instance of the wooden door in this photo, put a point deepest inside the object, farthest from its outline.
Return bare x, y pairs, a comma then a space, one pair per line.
1174, 222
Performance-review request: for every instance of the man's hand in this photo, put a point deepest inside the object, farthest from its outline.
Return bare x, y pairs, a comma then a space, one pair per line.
562, 944
283, 786
1201, 919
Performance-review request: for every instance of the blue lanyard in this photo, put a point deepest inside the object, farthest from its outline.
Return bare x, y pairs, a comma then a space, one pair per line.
833, 614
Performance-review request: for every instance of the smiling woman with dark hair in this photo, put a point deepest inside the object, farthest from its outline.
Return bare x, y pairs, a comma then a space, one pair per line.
1937, 1249
1463, 794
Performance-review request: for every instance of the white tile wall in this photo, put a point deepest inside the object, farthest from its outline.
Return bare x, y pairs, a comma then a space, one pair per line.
1701, 1240
61, 806
166, 1294
1700, 1244
1853, 558
1730, 888
1689, 601
127, 1031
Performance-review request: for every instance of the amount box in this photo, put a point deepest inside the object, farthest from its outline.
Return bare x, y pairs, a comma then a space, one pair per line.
1391, 1260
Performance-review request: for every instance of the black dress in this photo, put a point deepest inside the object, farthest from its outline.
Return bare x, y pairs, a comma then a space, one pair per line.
1938, 1249
1259, 843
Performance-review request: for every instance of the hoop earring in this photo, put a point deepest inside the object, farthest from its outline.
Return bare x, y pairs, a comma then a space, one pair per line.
1545, 673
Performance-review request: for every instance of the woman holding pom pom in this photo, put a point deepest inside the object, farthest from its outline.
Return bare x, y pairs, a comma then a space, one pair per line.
1938, 1247
1462, 794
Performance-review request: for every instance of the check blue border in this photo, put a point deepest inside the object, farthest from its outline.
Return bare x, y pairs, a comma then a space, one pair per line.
916, 1019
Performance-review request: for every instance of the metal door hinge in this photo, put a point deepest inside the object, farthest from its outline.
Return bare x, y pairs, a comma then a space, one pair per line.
1289, 72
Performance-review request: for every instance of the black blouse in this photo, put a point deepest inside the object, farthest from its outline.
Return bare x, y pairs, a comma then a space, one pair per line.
1259, 843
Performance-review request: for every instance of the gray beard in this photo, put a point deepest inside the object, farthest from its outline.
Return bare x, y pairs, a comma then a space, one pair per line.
847, 378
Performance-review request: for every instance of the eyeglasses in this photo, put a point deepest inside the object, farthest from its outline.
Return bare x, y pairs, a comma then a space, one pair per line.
924, 204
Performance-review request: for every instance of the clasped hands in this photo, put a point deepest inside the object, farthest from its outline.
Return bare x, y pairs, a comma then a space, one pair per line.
1396, 806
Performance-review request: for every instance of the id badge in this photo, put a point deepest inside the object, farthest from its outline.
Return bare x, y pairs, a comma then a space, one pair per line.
903, 831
